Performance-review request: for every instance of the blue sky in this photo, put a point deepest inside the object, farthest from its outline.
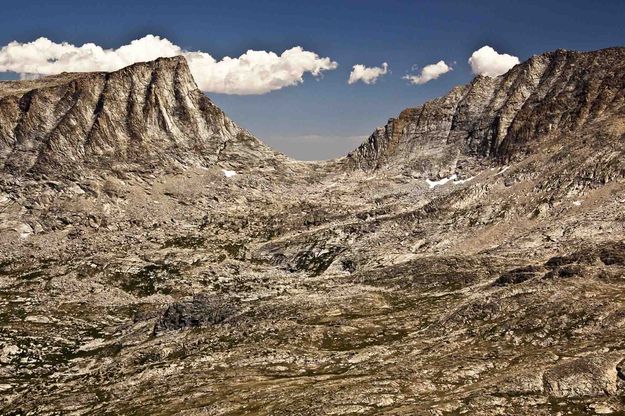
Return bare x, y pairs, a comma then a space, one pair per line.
324, 116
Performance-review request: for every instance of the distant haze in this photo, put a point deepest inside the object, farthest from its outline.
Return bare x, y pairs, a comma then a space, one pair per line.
314, 147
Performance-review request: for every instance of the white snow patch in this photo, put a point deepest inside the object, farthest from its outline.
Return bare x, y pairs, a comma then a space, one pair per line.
229, 173
453, 178
577, 203
441, 182
502, 170
461, 181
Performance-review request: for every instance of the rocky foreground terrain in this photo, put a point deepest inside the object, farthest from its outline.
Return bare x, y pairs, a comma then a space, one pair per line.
468, 258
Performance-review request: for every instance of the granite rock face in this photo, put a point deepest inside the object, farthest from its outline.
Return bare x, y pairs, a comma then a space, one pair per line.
467, 259
147, 116
549, 99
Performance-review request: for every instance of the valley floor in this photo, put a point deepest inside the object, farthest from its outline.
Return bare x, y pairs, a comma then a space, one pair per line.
196, 293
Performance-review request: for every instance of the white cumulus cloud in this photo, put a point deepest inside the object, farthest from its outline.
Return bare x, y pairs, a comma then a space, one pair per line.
429, 73
368, 75
254, 72
487, 61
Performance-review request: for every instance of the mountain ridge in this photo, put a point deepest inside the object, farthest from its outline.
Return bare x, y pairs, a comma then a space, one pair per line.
143, 116
495, 118
167, 120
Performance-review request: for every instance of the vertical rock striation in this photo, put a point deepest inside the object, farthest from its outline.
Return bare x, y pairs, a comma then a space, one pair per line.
146, 116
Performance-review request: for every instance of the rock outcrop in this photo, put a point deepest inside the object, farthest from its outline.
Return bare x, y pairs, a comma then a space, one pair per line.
586, 376
199, 311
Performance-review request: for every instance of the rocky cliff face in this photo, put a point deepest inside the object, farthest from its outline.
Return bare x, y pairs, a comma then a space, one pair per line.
549, 100
144, 117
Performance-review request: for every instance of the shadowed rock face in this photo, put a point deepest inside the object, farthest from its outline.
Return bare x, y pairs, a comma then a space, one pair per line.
549, 99
197, 312
467, 259
146, 116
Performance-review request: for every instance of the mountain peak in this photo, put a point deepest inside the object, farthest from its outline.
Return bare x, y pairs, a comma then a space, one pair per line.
550, 97
146, 116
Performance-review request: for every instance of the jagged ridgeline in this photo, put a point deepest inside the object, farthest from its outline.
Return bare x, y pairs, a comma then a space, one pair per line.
551, 99
152, 115
146, 116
